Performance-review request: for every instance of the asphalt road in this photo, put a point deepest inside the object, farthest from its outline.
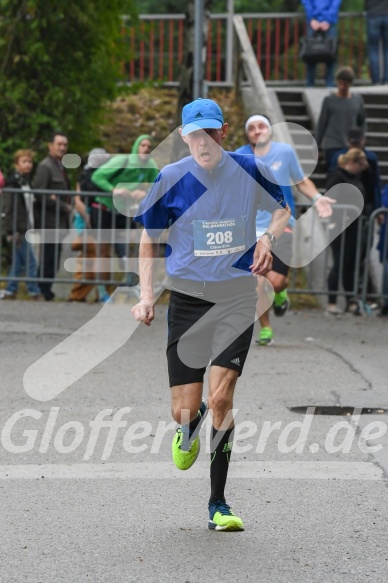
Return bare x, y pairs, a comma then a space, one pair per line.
83, 502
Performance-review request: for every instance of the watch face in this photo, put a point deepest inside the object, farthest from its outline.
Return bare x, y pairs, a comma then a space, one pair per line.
272, 238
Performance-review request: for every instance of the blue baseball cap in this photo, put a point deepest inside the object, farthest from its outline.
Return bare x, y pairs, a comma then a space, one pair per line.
201, 114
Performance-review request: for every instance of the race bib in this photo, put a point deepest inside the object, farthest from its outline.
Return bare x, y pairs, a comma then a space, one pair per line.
219, 237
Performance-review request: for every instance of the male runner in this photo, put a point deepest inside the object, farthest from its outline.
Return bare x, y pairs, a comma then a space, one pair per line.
209, 202
284, 165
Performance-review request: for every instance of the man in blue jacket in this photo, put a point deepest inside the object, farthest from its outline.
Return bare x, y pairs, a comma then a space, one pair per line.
377, 31
322, 15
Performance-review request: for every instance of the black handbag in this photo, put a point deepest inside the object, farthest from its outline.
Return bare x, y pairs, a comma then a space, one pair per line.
318, 48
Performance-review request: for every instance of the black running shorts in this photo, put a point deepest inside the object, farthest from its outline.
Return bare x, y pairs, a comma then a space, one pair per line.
209, 322
285, 244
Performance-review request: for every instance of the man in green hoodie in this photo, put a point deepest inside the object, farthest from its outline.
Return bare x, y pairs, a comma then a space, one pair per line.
124, 180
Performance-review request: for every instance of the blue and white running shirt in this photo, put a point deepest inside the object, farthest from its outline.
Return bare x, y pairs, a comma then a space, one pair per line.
284, 165
211, 215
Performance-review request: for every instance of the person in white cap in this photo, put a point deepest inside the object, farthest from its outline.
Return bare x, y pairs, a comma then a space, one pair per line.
282, 161
208, 201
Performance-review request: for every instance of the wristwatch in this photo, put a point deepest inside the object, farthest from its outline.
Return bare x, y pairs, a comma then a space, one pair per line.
272, 238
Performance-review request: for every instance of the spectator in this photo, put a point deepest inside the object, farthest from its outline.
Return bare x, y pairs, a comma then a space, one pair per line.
85, 242
383, 250
340, 112
350, 166
18, 218
127, 178
4, 259
53, 209
370, 176
322, 15
377, 32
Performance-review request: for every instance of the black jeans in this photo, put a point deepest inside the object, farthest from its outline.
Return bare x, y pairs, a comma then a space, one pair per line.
50, 254
347, 275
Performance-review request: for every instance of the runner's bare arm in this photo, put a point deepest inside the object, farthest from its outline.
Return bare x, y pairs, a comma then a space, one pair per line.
262, 257
322, 203
149, 249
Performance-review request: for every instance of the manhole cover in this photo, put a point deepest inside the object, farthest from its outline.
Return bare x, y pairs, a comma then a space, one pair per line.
336, 410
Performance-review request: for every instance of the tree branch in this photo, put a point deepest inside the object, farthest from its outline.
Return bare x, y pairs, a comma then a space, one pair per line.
17, 19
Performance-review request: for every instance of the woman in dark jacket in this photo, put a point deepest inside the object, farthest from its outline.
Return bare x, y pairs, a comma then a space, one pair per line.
350, 166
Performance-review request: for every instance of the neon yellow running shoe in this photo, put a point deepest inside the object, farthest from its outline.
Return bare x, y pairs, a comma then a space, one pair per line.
185, 448
222, 518
281, 303
265, 337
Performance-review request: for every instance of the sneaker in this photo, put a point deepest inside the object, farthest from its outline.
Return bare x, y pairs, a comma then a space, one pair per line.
105, 299
222, 518
354, 307
281, 303
49, 296
265, 337
185, 450
7, 295
333, 309
35, 294
36, 297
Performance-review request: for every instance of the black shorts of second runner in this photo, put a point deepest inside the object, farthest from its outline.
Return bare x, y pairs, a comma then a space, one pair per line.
285, 245
200, 331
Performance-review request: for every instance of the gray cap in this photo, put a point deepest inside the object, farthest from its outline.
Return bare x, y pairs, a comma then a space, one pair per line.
97, 157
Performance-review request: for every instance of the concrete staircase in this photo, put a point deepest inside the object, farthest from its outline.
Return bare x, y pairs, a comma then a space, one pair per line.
376, 105
295, 111
303, 109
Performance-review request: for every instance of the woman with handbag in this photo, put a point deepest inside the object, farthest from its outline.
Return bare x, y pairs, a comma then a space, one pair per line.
322, 17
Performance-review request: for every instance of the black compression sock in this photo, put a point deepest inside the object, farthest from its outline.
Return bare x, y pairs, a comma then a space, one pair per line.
221, 448
195, 423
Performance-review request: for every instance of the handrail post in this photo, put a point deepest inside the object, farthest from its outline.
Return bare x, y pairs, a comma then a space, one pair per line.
198, 49
229, 43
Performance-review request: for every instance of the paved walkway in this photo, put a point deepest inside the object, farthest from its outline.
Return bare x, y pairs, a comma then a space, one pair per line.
83, 502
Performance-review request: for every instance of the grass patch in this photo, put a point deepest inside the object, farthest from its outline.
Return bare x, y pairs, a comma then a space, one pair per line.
153, 110
303, 300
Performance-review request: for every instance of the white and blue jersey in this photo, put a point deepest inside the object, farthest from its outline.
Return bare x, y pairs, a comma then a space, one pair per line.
285, 167
210, 215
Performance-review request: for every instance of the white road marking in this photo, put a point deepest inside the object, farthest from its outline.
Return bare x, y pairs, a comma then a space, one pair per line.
328, 470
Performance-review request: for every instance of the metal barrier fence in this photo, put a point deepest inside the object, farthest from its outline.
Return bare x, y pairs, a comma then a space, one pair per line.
317, 271
366, 285
155, 47
50, 238
383, 252
90, 258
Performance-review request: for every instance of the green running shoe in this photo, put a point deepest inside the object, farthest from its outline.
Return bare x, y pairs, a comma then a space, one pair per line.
185, 449
222, 518
281, 303
265, 337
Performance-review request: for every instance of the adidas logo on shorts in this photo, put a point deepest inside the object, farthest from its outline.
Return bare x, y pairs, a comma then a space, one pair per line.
236, 361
